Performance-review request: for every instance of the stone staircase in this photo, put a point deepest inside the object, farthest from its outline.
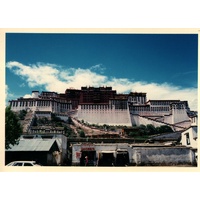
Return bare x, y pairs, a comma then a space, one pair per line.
26, 123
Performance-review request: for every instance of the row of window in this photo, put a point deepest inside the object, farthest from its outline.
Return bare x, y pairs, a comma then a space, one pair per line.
178, 106
160, 102
103, 107
101, 111
47, 131
106, 107
22, 103
118, 105
39, 103
158, 109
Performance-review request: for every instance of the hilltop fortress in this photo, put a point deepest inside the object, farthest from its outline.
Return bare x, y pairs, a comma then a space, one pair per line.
102, 105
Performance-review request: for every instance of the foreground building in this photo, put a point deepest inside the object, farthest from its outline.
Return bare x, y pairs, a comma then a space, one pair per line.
40, 150
47, 149
189, 137
122, 154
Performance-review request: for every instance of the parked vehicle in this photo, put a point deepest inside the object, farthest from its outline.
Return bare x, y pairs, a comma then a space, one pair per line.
24, 163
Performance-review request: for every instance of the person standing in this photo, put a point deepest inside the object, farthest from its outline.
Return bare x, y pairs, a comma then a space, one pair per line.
86, 161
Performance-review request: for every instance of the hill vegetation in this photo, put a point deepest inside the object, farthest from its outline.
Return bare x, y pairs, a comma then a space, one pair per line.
141, 132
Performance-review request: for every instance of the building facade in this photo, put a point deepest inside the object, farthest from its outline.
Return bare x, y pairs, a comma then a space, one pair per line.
102, 105
190, 136
123, 154
46, 101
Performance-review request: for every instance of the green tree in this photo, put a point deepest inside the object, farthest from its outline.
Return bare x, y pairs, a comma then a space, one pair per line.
69, 121
81, 133
54, 118
68, 131
164, 129
35, 121
151, 129
142, 129
132, 134
106, 127
13, 128
22, 114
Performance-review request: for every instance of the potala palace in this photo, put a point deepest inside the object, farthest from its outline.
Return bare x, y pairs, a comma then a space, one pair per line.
103, 105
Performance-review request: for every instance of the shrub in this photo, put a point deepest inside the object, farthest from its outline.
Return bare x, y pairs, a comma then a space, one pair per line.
81, 133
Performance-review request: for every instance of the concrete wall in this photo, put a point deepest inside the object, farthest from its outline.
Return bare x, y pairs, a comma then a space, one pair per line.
76, 154
62, 117
52, 159
162, 156
62, 144
41, 115
48, 115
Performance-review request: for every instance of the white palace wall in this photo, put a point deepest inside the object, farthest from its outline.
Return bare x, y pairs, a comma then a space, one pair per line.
168, 119
138, 120
179, 115
110, 116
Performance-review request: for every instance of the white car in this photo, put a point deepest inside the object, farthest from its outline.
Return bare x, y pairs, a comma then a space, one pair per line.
24, 163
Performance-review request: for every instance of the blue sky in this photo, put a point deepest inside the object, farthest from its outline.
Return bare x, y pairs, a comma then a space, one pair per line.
162, 65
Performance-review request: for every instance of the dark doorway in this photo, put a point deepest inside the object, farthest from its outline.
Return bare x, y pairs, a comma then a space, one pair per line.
122, 158
88, 158
106, 159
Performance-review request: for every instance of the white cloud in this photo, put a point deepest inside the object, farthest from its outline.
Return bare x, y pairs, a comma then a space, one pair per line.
26, 96
55, 78
98, 68
6, 90
8, 94
22, 85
